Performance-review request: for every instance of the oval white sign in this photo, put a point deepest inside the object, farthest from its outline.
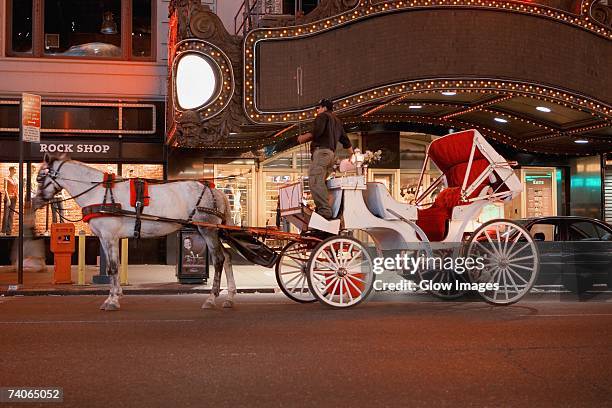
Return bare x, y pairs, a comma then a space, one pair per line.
195, 81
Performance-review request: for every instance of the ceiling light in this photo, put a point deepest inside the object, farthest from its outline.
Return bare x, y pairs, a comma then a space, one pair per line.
581, 141
500, 120
415, 107
449, 93
543, 109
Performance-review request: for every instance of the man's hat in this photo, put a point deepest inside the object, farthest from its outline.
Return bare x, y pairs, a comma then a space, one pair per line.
327, 104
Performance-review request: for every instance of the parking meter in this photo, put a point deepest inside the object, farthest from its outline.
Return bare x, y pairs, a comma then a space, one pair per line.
62, 246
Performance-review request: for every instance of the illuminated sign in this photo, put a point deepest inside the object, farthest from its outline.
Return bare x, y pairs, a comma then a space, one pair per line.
196, 81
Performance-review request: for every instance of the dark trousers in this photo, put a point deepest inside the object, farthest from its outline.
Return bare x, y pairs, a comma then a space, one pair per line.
9, 213
321, 165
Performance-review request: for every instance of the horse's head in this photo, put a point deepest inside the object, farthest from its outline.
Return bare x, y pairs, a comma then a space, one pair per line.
47, 179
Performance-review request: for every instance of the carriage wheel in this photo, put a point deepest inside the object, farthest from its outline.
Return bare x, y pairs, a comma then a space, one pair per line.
291, 272
511, 261
340, 272
444, 277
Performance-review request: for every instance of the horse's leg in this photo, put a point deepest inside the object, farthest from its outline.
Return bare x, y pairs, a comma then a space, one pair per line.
106, 248
231, 284
215, 251
111, 249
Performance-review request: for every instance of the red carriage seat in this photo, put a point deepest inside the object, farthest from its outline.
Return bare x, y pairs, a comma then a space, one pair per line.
434, 220
451, 155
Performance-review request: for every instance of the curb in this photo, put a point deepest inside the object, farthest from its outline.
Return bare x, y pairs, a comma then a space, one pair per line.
126, 291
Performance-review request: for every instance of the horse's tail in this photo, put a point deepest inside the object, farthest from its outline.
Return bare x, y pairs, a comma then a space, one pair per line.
227, 209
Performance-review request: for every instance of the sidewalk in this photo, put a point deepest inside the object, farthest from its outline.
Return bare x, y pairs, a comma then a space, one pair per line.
143, 279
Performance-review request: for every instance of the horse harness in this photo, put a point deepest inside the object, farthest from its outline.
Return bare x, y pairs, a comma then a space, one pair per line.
211, 211
138, 199
53, 175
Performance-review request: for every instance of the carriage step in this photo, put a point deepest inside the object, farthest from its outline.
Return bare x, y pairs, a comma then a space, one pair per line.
320, 223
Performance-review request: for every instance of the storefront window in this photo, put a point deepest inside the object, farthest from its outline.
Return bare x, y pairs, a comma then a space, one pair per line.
21, 26
148, 171
83, 28
491, 212
385, 179
137, 118
302, 159
9, 116
9, 184
235, 182
408, 187
80, 117
412, 154
141, 28
273, 182
280, 162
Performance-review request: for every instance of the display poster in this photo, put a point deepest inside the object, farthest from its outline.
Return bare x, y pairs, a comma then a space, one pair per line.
193, 255
539, 193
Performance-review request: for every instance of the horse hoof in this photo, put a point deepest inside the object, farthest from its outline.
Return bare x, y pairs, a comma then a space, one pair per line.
209, 304
112, 307
104, 305
228, 304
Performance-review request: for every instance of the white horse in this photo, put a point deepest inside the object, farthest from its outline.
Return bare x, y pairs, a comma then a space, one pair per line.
174, 200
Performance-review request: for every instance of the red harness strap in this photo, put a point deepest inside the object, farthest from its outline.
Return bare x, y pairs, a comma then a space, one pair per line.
94, 211
109, 180
134, 196
209, 182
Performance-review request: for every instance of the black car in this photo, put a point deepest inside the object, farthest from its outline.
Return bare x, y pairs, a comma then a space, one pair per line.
574, 251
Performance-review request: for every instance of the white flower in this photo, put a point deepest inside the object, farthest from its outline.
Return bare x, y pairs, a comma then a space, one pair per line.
370, 157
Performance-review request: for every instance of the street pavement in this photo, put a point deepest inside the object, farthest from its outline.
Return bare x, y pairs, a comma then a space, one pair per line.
164, 351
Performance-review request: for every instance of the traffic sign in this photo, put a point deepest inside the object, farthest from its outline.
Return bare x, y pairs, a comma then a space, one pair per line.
30, 117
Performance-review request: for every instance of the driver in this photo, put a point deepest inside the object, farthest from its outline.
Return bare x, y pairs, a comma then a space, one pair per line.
327, 131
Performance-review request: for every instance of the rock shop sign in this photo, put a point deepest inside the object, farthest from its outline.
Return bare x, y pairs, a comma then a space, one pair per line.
76, 150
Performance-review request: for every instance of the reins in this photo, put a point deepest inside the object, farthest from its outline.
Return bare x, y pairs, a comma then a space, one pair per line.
54, 176
109, 180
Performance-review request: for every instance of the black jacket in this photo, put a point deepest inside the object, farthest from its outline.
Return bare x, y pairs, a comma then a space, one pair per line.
327, 131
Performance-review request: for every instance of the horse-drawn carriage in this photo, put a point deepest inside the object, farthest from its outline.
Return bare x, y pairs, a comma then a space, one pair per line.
336, 269
339, 271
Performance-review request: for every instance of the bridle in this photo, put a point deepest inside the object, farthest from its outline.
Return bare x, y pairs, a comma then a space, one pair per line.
49, 176
54, 174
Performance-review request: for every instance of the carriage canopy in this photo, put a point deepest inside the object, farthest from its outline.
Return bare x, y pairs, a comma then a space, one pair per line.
468, 161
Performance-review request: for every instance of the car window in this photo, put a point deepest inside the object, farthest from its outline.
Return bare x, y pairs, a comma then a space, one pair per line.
543, 231
587, 231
